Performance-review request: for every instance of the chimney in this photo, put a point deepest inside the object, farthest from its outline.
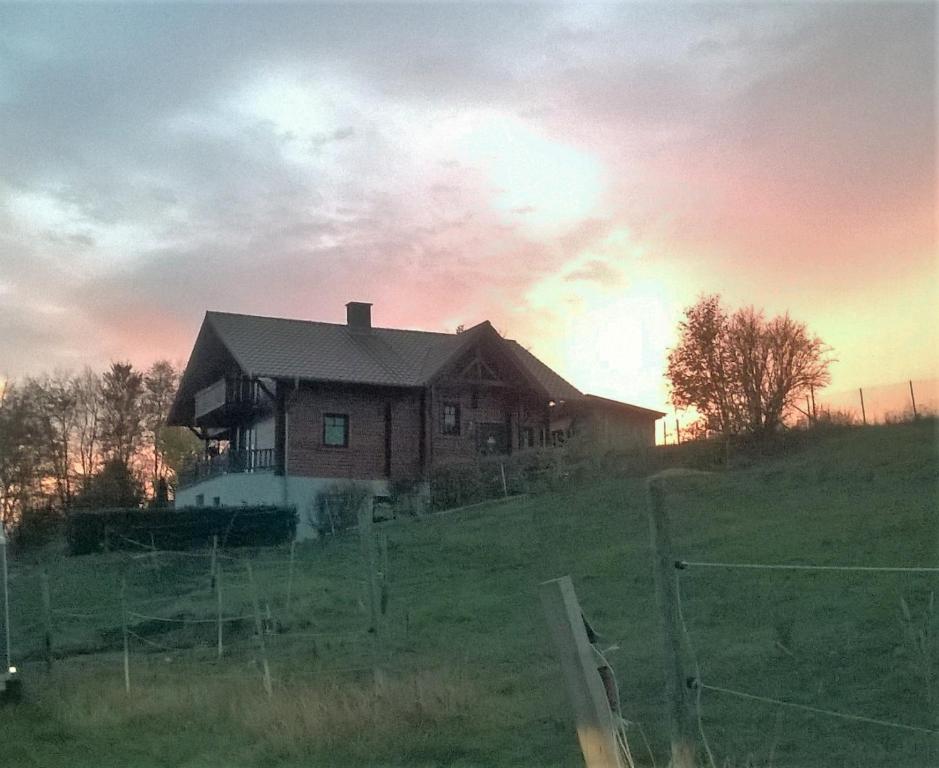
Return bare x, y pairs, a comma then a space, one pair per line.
359, 315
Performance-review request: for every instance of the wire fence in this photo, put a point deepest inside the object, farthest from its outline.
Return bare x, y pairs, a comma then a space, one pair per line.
880, 404
209, 612
698, 684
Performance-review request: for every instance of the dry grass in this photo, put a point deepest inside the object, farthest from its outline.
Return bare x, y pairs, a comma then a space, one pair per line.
300, 717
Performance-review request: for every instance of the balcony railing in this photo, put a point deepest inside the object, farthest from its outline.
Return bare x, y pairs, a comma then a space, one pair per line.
238, 392
228, 462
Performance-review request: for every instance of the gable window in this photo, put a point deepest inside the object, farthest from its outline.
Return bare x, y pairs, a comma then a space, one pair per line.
450, 419
336, 430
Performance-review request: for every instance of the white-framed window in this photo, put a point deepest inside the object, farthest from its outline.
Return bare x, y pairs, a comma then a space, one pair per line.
336, 430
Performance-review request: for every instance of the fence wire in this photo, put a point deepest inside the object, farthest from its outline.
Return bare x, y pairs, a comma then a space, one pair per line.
699, 685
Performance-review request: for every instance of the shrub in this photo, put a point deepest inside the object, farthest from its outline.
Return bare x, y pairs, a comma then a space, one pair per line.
36, 528
108, 529
405, 496
836, 418
338, 507
114, 486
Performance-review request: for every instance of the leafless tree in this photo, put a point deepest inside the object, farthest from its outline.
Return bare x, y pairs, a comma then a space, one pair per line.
160, 383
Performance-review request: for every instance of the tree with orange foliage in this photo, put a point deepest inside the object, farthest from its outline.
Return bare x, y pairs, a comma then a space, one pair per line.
743, 373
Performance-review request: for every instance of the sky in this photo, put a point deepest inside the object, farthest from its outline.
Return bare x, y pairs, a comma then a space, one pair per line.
576, 174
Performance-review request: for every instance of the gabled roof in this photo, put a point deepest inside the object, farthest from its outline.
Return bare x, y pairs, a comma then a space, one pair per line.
313, 351
605, 402
278, 348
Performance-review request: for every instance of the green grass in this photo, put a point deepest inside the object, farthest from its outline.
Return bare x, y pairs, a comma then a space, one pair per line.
468, 676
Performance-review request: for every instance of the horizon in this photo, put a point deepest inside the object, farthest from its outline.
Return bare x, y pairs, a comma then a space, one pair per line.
576, 175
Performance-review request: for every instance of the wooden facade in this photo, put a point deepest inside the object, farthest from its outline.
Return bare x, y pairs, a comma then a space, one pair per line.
482, 395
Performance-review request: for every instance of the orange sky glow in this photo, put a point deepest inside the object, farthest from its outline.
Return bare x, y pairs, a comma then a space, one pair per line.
575, 174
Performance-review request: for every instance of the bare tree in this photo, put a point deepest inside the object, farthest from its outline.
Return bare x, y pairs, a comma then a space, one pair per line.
20, 457
160, 383
742, 372
88, 426
55, 402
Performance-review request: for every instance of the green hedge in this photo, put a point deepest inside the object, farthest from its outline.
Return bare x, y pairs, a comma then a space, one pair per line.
172, 529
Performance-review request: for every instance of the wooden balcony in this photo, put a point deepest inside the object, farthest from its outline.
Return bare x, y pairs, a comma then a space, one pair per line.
227, 462
227, 399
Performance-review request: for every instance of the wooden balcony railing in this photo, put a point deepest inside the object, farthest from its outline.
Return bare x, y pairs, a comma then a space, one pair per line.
228, 462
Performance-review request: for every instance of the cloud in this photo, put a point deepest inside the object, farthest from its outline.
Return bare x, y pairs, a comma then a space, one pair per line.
544, 167
595, 271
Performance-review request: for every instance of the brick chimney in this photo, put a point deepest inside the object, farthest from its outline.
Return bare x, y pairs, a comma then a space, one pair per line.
359, 315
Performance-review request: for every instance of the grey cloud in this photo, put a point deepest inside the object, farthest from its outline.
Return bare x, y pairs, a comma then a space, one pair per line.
340, 134
94, 95
595, 271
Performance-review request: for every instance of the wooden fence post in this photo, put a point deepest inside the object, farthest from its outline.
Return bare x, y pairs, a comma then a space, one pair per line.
46, 618
293, 551
126, 635
214, 560
676, 688
368, 558
592, 717
383, 550
259, 632
913, 398
863, 412
217, 577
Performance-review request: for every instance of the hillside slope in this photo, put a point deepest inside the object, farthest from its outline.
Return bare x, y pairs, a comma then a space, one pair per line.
468, 677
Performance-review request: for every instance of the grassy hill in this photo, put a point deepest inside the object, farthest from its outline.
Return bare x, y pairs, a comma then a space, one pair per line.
466, 674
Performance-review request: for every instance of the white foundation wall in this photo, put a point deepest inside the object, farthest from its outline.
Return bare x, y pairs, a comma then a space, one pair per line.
249, 488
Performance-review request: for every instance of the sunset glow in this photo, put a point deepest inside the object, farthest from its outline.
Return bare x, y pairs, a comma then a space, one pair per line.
574, 174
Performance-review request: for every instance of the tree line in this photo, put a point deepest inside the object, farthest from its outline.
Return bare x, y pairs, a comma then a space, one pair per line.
88, 439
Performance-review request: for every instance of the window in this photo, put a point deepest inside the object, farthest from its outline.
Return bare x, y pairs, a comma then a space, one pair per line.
336, 430
200, 499
528, 437
216, 501
450, 419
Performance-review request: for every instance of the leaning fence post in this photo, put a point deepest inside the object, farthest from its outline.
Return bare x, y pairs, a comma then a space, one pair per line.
863, 412
913, 398
259, 631
676, 685
46, 618
594, 722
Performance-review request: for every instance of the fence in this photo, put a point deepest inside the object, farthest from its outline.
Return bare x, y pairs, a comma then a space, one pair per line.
275, 616
685, 682
902, 401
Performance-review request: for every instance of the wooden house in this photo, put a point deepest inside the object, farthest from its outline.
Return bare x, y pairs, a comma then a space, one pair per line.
289, 407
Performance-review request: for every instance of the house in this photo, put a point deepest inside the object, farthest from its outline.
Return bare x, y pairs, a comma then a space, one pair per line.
288, 408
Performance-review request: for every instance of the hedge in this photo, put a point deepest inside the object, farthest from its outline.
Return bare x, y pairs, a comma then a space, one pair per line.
172, 529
